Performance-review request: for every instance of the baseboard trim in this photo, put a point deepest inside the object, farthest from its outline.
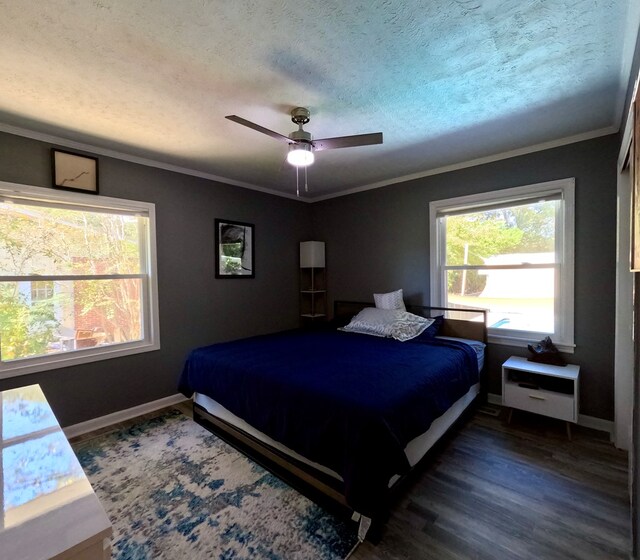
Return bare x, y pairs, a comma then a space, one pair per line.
583, 420
121, 415
597, 424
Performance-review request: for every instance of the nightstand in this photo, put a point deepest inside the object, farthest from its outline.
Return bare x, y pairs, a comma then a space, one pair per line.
552, 391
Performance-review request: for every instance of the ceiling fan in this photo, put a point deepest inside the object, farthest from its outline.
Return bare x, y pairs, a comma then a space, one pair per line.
301, 144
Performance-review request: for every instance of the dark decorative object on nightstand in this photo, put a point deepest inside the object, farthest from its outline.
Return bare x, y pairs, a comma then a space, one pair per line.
545, 352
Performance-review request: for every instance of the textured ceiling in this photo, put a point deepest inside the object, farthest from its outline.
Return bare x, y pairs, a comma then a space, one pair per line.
445, 81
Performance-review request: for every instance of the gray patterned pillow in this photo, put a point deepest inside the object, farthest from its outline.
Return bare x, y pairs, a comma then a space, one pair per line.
391, 323
390, 300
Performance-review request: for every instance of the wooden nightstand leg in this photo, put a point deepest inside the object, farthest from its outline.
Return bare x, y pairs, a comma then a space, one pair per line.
568, 430
510, 415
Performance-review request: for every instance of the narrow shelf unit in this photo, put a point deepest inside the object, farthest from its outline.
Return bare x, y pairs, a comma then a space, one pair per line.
313, 282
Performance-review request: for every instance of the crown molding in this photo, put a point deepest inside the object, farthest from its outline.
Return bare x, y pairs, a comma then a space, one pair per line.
58, 140
475, 162
52, 139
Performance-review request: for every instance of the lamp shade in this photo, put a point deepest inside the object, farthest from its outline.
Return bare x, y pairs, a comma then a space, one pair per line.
312, 254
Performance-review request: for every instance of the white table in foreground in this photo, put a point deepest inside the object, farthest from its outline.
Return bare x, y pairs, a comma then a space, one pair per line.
48, 508
541, 388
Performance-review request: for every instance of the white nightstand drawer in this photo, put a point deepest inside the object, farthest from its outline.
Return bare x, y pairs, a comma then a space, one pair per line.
555, 405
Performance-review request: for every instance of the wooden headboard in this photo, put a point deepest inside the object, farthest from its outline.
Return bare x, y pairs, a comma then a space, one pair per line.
459, 322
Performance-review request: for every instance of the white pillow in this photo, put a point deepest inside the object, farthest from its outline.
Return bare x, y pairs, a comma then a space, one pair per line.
392, 323
391, 300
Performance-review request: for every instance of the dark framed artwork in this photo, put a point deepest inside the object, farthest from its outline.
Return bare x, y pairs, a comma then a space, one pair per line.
74, 172
235, 244
635, 192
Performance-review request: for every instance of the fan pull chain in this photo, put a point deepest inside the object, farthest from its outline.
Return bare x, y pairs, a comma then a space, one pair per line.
306, 187
297, 184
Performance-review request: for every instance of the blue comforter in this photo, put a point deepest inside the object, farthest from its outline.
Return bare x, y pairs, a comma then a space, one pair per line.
348, 401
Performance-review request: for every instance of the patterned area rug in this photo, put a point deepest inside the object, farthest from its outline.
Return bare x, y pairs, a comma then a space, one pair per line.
175, 491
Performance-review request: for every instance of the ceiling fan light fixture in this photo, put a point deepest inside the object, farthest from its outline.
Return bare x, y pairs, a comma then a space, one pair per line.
300, 154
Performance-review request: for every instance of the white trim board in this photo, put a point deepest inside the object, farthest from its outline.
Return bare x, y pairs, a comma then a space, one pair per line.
121, 415
583, 420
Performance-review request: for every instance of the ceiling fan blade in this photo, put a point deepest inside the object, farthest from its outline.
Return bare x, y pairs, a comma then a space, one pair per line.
347, 141
254, 126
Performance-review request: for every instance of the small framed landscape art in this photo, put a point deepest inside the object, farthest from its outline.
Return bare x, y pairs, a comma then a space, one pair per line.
234, 249
74, 172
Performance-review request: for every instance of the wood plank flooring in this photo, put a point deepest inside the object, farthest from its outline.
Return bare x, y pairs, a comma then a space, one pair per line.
518, 492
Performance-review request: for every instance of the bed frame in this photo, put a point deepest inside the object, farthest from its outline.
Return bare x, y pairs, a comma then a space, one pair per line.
459, 322
316, 485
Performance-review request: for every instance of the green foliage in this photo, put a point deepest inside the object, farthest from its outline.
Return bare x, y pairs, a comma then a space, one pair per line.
54, 241
537, 223
484, 237
49, 241
474, 237
25, 330
231, 266
118, 304
231, 249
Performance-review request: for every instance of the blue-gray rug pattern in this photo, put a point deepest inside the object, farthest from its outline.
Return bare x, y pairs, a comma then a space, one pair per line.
175, 491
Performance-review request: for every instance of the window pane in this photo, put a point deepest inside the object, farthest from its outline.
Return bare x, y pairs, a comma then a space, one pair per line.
516, 299
80, 314
512, 235
53, 241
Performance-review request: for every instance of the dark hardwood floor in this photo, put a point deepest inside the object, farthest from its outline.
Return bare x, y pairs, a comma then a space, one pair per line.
512, 492
517, 492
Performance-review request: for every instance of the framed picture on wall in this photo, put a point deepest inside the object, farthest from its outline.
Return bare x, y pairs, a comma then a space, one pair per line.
234, 249
74, 172
635, 192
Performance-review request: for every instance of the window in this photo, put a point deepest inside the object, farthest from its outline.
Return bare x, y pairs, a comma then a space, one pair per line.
509, 252
77, 279
41, 291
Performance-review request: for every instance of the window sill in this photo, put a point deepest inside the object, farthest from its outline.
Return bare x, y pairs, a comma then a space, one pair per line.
77, 357
569, 348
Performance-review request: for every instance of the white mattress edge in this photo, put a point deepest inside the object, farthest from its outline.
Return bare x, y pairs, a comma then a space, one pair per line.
415, 450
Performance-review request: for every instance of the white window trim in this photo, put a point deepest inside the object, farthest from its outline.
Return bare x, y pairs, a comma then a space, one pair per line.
151, 339
564, 339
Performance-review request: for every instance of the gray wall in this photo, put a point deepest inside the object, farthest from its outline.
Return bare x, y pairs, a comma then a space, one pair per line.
378, 240
195, 308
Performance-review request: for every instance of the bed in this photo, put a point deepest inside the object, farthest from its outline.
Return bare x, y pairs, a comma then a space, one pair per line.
342, 414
